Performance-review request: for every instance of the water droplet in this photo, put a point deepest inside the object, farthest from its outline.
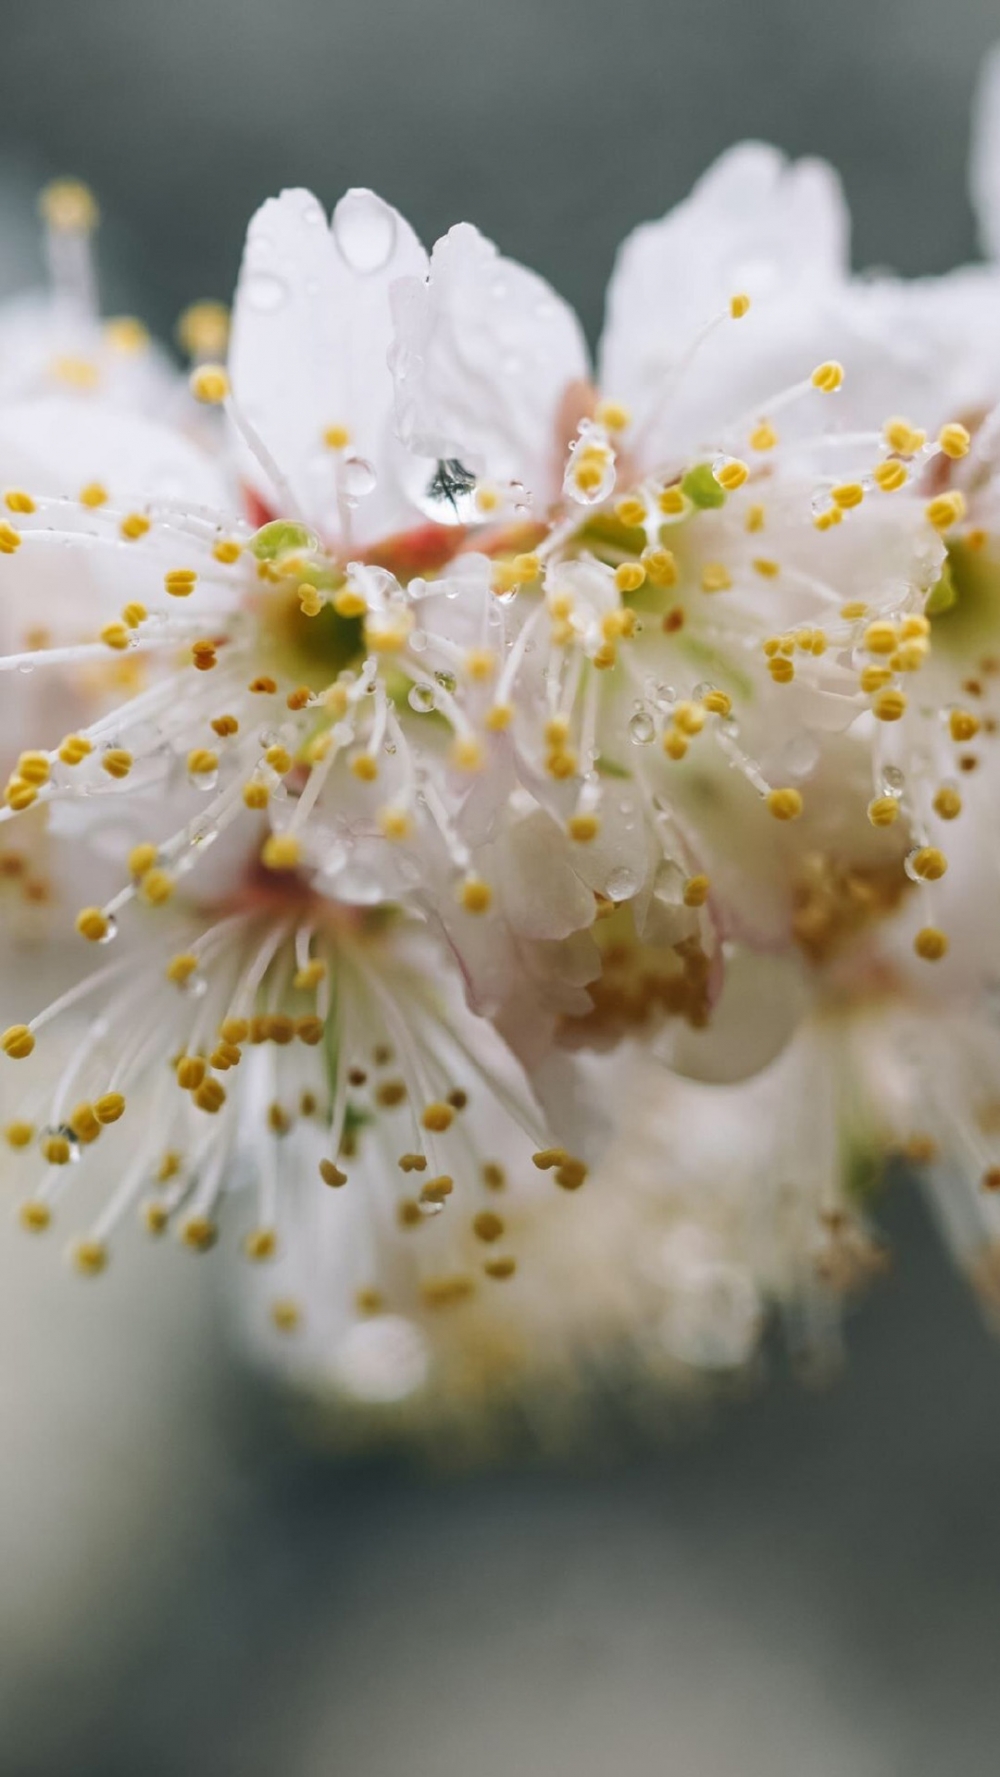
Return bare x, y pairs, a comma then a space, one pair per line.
203, 780
799, 756
621, 884
891, 781
418, 641
641, 728
196, 986
111, 932
421, 698
26, 667
357, 479
446, 680
364, 229
668, 883
264, 292
909, 863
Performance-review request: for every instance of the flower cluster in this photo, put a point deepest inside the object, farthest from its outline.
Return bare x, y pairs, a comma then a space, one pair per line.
463, 757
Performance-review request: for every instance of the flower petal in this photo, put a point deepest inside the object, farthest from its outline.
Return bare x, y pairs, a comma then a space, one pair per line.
485, 352
311, 330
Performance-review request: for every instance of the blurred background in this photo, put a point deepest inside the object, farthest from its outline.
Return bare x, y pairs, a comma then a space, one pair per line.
804, 1584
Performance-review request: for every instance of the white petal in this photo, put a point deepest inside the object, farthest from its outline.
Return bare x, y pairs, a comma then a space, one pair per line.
763, 999
485, 352
311, 331
756, 223
984, 169
57, 445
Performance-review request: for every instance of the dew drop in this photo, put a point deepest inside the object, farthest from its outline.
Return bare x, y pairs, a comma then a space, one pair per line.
418, 641
265, 293
364, 229
641, 728
446, 680
621, 884
421, 698
799, 756
891, 781
357, 479
112, 930
203, 780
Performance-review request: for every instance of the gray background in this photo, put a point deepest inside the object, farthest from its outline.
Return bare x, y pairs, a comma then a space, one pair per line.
809, 1585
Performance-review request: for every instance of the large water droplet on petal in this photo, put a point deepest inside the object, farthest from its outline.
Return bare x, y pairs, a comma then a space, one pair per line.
364, 229
641, 728
357, 479
421, 698
264, 292
621, 884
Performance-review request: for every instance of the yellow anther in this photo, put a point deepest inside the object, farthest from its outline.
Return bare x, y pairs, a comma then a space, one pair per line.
883, 811
498, 718
755, 518
203, 330
16, 500
947, 803
689, 717
696, 891
310, 1030
571, 1174
75, 749
781, 669
501, 1267
785, 804
93, 924
203, 655
674, 744
210, 1096
487, 498
278, 757
69, 206
629, 576
155, 1218
847, 494
732, 474
929, 863
79, 373
437, 1190
954, 440
467, 753
661, 567
199, 1233
889, 704
89, 1257
588, 476
766, 568
349, 603
56, 1150
903, 438
126, 334
180, 968
17, 1041
142, 858
115, 635
210, 384
316, 749
84, 1123
613, 625
613, 415
890, 475
365, 767
35, 1217
19, 1135
157, 887
946, 510
10, 539
331, 1174
672, 501
299, 698
480, 664
854, 609
583, 827
825, 521
909, 657
715, 577
872, 678
963, 725
263, 685
763, 436
236, 1030
93, 495
914, 626
561, 763
487, 1226
395, 823
828, 377
310, 602
631, 510
133, 614
109, 1107
286, 1315
134, 526
739, 305
34, 768
336, 437
19, 795
227, 550
527, 567
717, 703
281, 851
438, 1116
180, 582
260, 1244
880, 637
931, 944
475, 895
